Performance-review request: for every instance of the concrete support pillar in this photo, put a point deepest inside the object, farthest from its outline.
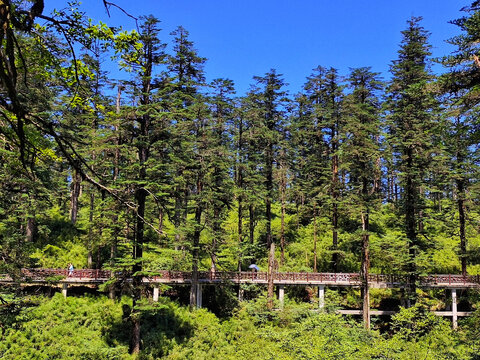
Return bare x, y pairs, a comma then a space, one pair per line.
64, 289
199, 296
454, 309
155, 293
241, 292
281, 295
321, 297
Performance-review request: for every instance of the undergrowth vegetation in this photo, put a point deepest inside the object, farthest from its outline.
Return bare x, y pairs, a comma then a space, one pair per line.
98, 328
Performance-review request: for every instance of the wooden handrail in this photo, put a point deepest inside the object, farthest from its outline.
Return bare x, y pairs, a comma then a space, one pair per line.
40, 274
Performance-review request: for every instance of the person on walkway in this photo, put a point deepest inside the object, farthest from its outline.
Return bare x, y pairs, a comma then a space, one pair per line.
70, 269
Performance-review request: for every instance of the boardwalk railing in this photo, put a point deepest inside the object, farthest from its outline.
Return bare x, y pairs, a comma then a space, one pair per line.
45, 274
166, 276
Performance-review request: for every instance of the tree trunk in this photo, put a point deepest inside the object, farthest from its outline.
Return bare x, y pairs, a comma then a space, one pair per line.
251, 212
113, 248
240, 232
335, 238
160, 220
137, 267
461, 224
90, 259
268, 200
268, 214
240, 188
90, 230
176, 215
116, 167
411, 229
271, 288
76, 189
334, 207
282, 221
216, 232
135, 346
377, 181
141, 199
365, 269
195, 255
31, 225
116, 172
314, 239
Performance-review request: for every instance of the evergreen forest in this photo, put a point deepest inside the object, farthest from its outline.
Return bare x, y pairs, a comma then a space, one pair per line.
164, 170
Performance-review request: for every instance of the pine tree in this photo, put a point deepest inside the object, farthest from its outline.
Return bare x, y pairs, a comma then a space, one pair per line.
310, 166
411, 105
461, 84
239, 149
142, 54
360, 154
220, 161
322, 113
271, 107
249, 160
189, 117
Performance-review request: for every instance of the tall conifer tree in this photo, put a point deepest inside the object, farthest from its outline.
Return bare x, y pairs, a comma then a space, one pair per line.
411, 105
272, 101
361, 151
322, 112
461, 83
189, 117
141, 53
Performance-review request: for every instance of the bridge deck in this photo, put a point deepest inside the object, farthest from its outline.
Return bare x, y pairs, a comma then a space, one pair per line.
95, 276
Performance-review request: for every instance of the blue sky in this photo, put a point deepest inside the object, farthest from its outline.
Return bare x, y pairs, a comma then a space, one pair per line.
243, 38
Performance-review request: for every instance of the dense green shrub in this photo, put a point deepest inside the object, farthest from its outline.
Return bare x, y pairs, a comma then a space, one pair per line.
72, 328
99, 328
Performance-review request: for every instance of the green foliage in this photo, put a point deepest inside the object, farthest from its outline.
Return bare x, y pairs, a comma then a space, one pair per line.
55, 257
97, 328
66, 328
421, 334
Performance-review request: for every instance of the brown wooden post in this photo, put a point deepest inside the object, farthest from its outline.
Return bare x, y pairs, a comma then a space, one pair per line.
270, 291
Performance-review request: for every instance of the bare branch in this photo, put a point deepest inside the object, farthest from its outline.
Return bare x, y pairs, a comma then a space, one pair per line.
108, 4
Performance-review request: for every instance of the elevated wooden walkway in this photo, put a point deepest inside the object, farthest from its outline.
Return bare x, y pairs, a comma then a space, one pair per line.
95, 276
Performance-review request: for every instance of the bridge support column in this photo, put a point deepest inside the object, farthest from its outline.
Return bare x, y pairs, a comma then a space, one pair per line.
321, 296
199, 295
454, 309
155, 293
281, 295
64, 290
240, 293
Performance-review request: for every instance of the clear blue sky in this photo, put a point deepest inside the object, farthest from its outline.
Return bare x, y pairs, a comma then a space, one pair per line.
243, 38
